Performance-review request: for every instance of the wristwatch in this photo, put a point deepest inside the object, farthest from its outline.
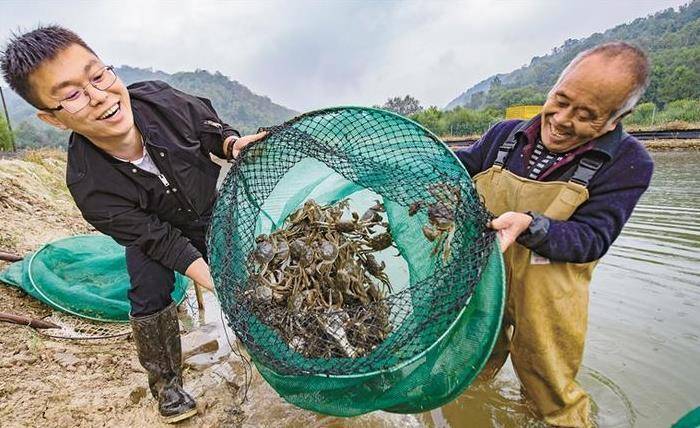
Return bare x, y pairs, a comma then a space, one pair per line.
229, 148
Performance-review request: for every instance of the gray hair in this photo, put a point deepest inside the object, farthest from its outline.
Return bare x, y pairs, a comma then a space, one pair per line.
637, 63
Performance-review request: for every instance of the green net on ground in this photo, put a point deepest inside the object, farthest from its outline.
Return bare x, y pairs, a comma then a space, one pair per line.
421, 318
690, 420
82, 275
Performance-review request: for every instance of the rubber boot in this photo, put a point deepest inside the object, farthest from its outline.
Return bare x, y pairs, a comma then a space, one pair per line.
157, 338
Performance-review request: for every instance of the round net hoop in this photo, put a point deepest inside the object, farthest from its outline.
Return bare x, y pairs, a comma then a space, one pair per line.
435, 317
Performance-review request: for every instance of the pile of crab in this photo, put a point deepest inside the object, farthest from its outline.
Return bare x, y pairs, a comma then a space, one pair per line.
317, 283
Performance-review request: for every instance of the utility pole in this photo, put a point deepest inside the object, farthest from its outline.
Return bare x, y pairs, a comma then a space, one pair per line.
7, 117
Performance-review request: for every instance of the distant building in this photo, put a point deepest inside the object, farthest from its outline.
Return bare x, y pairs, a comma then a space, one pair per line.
522, 112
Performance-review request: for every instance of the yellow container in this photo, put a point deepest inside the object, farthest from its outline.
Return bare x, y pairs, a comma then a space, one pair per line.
522, 112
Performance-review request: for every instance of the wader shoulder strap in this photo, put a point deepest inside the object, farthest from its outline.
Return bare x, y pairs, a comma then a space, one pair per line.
508, 145
586, 169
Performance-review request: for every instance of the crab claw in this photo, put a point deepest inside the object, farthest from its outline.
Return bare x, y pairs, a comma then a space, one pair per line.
430, 233
414, 208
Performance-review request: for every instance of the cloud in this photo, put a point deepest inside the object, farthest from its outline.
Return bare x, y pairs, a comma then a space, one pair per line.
310, 54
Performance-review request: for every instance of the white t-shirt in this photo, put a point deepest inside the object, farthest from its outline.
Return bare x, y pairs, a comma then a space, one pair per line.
144, 162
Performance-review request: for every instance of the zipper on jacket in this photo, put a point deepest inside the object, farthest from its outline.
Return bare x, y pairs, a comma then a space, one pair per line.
164, 180
216, 125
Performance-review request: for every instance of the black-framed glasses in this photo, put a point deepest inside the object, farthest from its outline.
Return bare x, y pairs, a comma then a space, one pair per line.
101, 79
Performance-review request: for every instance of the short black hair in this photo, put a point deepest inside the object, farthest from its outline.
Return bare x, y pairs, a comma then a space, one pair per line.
25, 53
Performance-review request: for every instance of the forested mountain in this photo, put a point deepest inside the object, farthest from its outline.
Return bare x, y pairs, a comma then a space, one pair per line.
671, 37
235, 103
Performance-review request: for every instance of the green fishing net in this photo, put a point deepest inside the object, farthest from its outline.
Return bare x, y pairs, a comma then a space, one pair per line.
82, 275
444, 305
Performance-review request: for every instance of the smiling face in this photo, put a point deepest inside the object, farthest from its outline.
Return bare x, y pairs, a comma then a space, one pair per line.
108, 115
579, 108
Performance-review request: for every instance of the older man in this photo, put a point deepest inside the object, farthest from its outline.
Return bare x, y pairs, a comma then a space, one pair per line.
562, 185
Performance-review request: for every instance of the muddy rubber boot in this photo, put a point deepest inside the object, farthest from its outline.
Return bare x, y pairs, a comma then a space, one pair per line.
157, 338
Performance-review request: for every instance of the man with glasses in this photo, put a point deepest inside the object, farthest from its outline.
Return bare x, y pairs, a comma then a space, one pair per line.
139, 170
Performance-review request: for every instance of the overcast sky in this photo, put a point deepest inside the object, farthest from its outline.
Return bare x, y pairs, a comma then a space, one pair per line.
312, 54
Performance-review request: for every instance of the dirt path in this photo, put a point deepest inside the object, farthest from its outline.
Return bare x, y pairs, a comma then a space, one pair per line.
47, 382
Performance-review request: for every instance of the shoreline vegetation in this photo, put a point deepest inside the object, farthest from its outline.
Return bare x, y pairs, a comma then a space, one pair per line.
663, 145
460, 123
37, 154
651, 145
677, 115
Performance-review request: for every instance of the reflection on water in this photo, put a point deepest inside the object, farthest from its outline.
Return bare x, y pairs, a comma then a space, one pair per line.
645, 325
642, 360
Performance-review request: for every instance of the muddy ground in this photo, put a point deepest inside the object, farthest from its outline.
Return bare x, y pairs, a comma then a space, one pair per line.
47, 382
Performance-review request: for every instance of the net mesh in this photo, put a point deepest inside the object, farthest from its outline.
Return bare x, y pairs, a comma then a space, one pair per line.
353, 157
84, 330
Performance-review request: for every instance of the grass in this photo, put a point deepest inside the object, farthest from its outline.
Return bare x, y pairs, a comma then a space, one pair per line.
38, 173
35, 344
7, 241
40, 156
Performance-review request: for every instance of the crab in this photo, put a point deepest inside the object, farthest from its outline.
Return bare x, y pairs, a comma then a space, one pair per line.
301, 252
372, 215
261, 294
378, 242
415, 207
333, 323
310, 212
376, 269
440, 229
264, 252
298, 301
328, 252
446, 193
441, 216
281, 251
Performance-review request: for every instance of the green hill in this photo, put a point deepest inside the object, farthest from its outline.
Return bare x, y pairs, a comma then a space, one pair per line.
672, 39
235, 103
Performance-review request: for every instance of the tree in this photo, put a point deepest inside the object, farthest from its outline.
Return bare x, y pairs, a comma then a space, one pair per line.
405, 106
5, 136
682, 82
681, 110
29, 135
430, 118
642, 115
477, 99
460, 121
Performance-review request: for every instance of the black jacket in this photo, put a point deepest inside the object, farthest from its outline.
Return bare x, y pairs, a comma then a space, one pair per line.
137, 208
